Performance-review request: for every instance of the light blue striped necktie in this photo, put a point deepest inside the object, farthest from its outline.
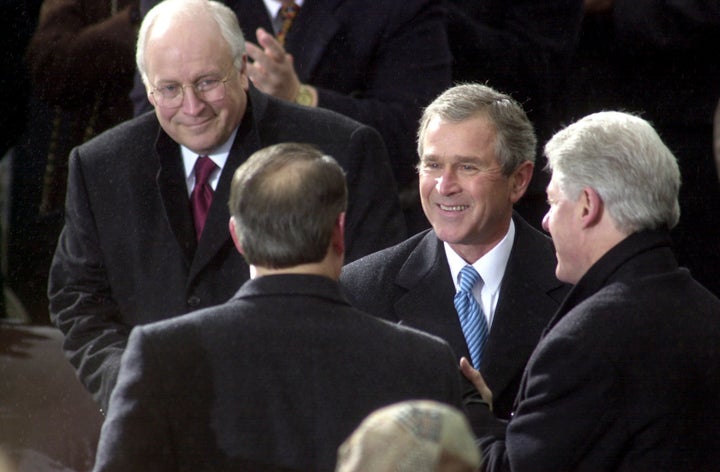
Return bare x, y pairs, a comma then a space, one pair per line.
472, 319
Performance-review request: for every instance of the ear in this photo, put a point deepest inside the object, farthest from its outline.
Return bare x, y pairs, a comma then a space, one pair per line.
591, 206
233, 234
337, 241
520, 180
243, 73
151, 98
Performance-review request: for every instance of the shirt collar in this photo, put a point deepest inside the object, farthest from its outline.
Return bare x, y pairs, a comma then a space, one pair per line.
491, 266
218, 156
273, 7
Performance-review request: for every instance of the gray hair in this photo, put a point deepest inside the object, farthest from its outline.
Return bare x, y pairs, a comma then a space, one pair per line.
624, 160
516, 141
225, 18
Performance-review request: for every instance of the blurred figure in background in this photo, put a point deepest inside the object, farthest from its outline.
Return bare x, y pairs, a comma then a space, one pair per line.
81, 64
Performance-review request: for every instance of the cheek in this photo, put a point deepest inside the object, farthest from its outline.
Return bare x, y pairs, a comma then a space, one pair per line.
425, 184
164, 115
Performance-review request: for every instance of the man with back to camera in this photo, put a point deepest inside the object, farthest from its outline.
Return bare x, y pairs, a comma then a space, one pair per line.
476, 149
281, 374
131, 251
627, 375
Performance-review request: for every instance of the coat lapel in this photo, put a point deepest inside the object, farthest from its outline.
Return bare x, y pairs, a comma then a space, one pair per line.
173, 193
523, 310
428, 302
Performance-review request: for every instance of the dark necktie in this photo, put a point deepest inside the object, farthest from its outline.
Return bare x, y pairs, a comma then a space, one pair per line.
472, 319
202, 193
288, 12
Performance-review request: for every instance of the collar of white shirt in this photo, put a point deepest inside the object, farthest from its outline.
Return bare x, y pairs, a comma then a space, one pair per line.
219, 157
273, 7
491, 268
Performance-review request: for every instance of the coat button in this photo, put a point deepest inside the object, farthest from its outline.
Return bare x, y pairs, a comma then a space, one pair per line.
193, 301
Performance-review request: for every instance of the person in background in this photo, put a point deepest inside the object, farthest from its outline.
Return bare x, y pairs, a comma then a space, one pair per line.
627, 375
283, 372
80, 62
377, 62
145, 235
411, 436
476, 149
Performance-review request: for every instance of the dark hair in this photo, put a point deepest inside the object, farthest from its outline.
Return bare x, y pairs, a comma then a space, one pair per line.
285, 200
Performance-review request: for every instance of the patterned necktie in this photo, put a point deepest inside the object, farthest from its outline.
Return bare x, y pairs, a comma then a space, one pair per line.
202, 193
472, 319
288, 12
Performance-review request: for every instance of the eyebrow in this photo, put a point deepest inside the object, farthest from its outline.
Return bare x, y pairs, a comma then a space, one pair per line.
454, 158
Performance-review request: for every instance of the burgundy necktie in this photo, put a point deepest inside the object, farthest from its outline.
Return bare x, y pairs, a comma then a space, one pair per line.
202, 193
288, 12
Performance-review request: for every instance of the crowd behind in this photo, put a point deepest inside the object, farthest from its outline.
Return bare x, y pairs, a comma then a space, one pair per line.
400, 166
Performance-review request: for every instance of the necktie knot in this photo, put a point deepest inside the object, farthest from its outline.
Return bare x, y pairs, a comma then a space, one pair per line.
203, 167
288, 12
468, 278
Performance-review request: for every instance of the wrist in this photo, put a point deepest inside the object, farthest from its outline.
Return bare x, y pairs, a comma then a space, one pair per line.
306, 95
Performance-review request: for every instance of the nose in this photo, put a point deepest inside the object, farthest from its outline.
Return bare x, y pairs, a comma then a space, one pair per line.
447, 183
545, 221
192, 104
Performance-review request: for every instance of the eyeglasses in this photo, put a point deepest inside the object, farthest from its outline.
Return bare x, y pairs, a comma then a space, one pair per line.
208, 89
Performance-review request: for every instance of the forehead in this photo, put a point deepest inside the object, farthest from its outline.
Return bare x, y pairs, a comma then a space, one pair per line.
554, 189
173, 54
471, 138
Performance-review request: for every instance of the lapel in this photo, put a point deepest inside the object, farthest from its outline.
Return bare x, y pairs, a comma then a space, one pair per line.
215, 234
523, 309
313, 29
427, 303
173, 193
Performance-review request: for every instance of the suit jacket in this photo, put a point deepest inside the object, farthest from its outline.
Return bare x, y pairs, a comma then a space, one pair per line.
411, 284
281, 375
627, 376
378, 62
128, 254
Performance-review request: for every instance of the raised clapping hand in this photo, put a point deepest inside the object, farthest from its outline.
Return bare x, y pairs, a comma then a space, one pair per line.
271, 69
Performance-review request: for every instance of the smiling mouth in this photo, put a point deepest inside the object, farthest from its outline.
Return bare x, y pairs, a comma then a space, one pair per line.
453, 207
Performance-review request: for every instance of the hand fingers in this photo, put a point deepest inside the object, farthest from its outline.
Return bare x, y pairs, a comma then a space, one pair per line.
470, 373
270, 45
476, 378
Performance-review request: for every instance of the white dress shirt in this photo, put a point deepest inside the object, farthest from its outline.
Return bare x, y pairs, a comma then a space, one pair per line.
219, 157
491, 268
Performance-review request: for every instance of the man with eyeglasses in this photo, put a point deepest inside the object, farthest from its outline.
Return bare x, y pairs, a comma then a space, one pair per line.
146, 235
